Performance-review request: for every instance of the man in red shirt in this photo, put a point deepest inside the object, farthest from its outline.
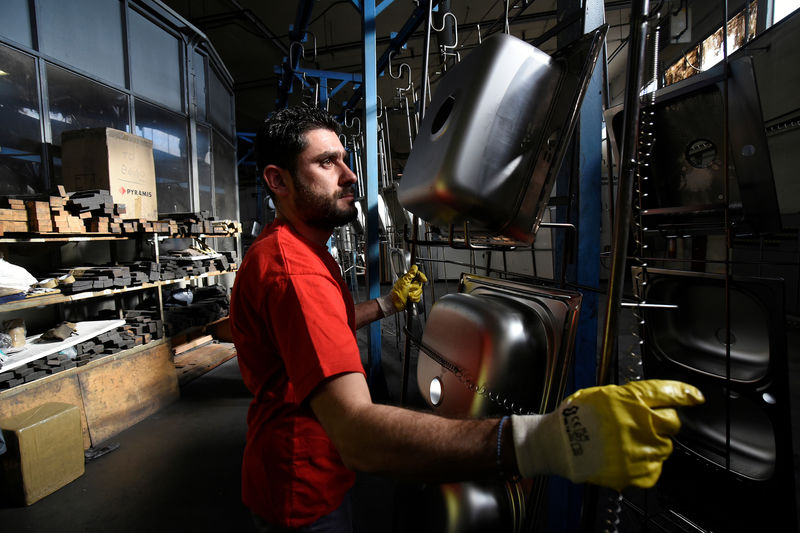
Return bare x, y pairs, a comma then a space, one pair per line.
312, 422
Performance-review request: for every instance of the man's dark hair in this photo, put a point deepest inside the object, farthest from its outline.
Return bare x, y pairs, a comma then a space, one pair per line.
281, 137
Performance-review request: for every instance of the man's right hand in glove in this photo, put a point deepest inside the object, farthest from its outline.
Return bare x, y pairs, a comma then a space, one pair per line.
614, 436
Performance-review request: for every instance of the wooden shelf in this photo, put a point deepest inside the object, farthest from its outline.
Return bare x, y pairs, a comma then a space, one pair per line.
113, 392
52, 299
88, 237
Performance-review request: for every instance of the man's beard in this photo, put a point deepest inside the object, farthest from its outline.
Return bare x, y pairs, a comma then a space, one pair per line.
322, 211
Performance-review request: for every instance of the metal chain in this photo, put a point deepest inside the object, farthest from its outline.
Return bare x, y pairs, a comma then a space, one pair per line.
467, 380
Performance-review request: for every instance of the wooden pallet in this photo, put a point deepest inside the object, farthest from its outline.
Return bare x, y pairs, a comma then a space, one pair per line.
195, 362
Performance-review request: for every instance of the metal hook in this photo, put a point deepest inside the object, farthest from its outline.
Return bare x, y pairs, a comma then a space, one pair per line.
302, 48
350, 125
433, 26
400, 73
313, 88
445, 47
302, 51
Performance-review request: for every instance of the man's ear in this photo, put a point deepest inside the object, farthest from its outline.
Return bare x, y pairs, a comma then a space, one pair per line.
276, 179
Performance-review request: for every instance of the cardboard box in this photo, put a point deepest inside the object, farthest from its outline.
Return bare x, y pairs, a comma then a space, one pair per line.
45, 452
112, 160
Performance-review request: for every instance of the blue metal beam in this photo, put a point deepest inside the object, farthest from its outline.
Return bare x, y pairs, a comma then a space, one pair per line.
329, 74
383, 5
339, 88
583, 160
370, 87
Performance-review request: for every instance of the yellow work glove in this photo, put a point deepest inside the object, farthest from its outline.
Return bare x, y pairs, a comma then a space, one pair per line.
407, 287
613, 436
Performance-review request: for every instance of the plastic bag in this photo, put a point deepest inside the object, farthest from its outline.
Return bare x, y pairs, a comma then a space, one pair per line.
15, 277
5, 341
70, 352
15, 329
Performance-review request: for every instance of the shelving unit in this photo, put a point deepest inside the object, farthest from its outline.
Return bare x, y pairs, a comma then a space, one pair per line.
57, 297
115, 390
52, 299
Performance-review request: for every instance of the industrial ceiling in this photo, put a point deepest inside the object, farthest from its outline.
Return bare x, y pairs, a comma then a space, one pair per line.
253, 39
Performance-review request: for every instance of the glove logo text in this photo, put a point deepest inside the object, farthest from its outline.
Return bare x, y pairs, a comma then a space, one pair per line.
576, 431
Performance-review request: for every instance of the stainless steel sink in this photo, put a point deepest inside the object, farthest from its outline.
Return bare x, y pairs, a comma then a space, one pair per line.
491, 143
752, 452
509, 339
493, 346
695, 335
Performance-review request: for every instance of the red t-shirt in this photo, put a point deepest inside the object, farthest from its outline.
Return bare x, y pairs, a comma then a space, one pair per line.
293, 324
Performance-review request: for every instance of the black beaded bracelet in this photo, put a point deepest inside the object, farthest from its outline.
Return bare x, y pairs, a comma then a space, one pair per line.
500, 447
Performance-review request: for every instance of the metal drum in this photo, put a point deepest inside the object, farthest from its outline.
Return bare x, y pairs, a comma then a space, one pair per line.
489, 148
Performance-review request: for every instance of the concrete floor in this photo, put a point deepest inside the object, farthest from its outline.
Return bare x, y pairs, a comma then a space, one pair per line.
179, 469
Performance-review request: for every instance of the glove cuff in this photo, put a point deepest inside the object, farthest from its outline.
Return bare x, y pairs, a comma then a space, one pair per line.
538, 445
386, 304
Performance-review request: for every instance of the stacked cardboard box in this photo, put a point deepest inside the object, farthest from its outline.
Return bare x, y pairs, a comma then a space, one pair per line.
113, 160
45, 452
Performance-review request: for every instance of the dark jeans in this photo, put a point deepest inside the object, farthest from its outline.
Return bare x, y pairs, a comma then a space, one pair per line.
339, 520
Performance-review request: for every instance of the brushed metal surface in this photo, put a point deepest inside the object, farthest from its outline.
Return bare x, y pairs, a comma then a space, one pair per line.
512, 338
695, 334
498, 342
752, 452
464, 508
497, 123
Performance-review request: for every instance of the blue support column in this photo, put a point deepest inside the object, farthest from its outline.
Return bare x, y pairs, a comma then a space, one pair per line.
370, 82
585, 205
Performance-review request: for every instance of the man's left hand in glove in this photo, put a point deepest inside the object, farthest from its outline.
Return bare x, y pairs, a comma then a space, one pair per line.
407, 287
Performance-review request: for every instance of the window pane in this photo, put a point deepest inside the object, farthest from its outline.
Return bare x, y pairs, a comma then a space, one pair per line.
169, 135
225, 188
15, 21
783, 8
753, 19
94, 45
736, 32
204, 167
155, 62
199, 77
77, 102
712, 50
20, 134
220, 104
684, 68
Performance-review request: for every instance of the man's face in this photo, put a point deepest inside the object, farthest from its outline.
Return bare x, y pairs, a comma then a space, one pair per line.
324, 193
